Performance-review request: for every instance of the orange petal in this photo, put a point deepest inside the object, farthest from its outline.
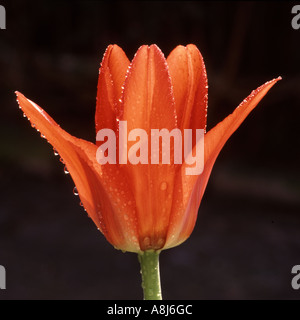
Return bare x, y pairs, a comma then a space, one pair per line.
103, 190
111, 79
148, 97
148, 104
189, 80
189, 190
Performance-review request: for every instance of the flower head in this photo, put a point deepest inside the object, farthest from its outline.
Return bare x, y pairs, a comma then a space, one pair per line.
144, 206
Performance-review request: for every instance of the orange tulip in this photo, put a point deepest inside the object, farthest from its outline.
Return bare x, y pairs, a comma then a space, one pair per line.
142, 207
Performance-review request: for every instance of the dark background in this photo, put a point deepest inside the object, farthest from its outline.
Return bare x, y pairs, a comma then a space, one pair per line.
247, 237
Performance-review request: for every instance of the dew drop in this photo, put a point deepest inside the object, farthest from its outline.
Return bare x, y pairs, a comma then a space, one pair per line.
55, 152
75, 191
66, 170
163, 186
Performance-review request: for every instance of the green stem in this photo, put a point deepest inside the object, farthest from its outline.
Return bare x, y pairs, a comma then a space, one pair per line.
149, 261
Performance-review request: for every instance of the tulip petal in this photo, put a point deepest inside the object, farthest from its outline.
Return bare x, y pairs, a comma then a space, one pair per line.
111, 79
148, 96
189, 80
189, 189
148, 104
103, 190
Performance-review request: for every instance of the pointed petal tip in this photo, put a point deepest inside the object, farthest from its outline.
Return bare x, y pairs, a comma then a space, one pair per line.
154, 45
18, 94
148, 47
19, 99
275, 79
266, 86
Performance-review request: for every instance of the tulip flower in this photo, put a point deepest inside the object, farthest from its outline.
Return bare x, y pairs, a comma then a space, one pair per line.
144, 208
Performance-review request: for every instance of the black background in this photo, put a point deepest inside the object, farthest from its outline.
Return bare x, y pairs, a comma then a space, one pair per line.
247, 237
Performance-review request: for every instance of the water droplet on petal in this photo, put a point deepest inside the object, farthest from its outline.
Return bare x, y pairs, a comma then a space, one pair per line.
75, 191
66, 170
163, 186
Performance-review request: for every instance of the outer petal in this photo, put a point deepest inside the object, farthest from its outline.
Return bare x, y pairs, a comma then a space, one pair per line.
103, 190
189, 189
189, 80
111, 79
148, 104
